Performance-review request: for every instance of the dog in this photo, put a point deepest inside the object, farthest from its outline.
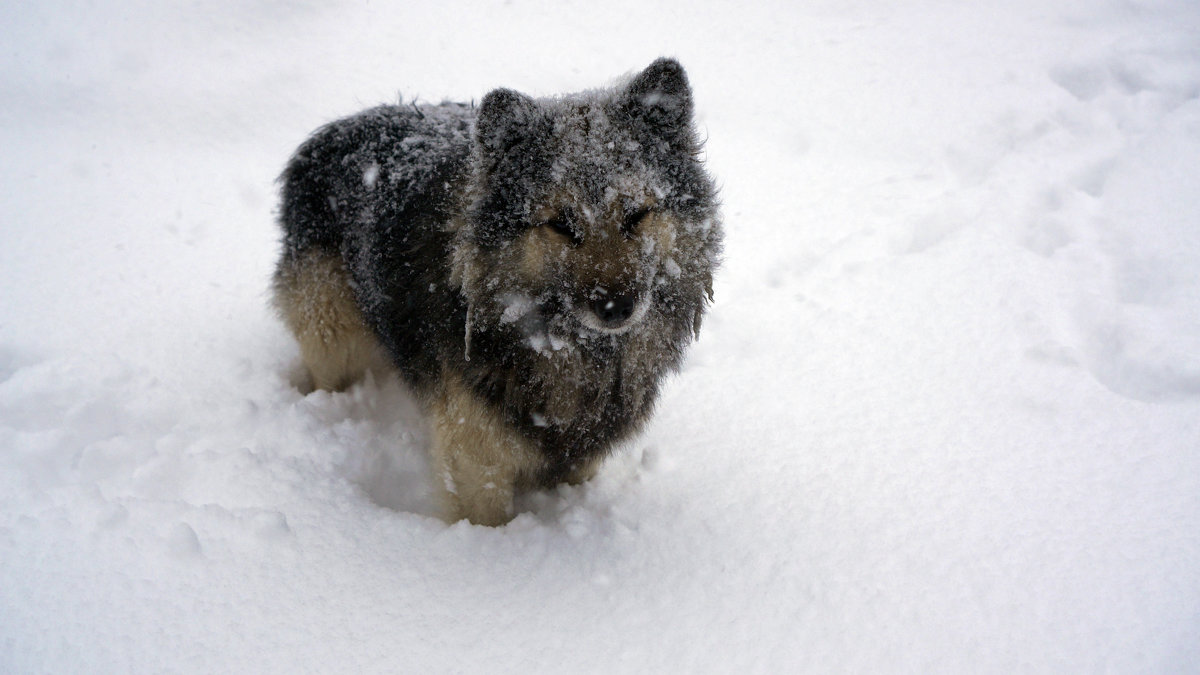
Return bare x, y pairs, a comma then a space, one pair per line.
533, 268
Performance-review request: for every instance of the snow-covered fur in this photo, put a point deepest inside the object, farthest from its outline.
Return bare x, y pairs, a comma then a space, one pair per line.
533, 268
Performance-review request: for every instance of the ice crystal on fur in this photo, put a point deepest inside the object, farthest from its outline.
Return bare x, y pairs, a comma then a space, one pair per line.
535, 266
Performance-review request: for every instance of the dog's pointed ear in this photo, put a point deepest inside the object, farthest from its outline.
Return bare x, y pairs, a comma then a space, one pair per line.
505, 117
660, 99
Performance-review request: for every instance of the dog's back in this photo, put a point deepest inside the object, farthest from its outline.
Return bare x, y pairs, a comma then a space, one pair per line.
365, 202
394, 157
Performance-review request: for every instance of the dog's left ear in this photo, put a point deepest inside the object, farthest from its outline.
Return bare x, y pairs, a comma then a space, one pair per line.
660, 100
506, 118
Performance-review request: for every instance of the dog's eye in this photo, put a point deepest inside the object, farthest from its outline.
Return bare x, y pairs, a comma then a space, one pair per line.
633, 219
562, 225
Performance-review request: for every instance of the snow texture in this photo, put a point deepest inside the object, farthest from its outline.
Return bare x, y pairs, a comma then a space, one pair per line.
944, 415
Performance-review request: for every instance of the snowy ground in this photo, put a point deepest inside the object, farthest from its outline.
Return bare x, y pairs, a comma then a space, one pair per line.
945, 416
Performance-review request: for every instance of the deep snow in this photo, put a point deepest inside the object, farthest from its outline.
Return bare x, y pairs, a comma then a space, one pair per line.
944, 416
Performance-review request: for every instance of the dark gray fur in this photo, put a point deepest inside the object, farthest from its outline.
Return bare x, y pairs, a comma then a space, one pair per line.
401, 191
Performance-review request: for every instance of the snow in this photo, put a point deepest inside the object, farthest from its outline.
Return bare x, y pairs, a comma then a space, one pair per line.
943, 417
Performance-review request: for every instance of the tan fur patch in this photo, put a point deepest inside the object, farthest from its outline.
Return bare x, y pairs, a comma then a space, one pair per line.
659, 228
585, 471
538, 246
314, 298
480, 460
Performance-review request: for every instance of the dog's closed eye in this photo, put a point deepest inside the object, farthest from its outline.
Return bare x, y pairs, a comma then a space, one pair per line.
633, 219
562, 224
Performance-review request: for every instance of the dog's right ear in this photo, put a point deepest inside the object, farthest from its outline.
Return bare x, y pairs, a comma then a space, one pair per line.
505, 118
658, 101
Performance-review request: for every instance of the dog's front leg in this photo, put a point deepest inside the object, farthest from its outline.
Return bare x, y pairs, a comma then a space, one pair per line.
480, 461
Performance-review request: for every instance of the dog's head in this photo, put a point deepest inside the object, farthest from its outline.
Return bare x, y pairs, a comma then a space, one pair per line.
591, 214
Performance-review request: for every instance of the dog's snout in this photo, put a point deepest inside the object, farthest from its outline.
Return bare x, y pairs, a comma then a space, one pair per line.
613, 309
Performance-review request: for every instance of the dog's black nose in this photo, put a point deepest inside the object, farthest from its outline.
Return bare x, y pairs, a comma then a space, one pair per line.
611, 308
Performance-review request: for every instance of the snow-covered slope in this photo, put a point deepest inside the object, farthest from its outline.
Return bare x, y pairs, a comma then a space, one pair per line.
945, 415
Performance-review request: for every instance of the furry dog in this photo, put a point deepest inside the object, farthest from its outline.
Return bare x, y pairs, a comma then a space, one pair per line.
532, 267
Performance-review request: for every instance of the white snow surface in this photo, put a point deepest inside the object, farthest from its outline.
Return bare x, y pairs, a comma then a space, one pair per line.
943, 417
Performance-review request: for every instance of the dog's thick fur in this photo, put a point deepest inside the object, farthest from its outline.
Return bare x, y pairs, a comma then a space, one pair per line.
531, 267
